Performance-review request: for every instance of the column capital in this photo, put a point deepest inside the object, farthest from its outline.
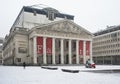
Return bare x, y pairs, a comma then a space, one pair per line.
53, 38
44, 37
77, 39
61, 38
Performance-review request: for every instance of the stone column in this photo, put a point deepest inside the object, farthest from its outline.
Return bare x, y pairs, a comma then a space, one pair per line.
70, 52
53, 50
84, 52
34, 50
44, 50
91, 51
62, 52
77, 52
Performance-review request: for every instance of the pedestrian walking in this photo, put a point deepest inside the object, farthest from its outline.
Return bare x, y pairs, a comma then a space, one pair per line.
24, 65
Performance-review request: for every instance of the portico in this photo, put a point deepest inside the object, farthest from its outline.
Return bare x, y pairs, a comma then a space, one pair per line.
66, 53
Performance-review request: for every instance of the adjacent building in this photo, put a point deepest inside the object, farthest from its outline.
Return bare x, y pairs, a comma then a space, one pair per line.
1, 61
106, 46
46, 36
1, 56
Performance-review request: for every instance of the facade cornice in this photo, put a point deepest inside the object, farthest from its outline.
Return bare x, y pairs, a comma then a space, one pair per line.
61, 37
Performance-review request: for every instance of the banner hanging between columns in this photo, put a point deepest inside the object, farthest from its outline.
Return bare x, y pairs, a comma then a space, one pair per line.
39, 45
81, 48
49, 46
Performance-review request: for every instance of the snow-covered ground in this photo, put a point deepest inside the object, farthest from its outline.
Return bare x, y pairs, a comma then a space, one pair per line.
37, 75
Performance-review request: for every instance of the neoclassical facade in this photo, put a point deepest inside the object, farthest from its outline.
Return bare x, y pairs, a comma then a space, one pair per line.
53, 42
62, 42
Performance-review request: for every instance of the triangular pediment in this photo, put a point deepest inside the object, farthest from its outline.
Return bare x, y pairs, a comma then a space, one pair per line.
65, 26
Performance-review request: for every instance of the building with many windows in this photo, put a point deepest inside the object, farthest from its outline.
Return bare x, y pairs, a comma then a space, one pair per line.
106, 46
1, 44
1, 60
46, 36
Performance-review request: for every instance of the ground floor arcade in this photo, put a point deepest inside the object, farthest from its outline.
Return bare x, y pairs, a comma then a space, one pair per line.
115, 60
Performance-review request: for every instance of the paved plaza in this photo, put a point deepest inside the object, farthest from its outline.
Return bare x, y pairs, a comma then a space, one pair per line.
38, 75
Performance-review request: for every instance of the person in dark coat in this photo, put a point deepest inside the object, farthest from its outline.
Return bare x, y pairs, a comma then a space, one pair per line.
88, 63
24, 65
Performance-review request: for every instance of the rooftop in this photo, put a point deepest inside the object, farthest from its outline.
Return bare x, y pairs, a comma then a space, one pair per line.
45, 11
108, 30
1, 40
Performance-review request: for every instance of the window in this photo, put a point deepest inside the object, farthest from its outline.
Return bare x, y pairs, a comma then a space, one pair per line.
18, 59
51, 15
114, 35
0, 61
34, 13
22, 50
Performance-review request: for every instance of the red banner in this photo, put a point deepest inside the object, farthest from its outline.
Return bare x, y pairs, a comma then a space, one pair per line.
88, 48
81, 48
49, 45
39, 45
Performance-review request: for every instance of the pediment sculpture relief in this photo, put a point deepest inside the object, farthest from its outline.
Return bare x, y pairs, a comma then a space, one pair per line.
65, 27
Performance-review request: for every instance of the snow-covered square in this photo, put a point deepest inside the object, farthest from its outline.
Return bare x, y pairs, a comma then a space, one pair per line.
38, 75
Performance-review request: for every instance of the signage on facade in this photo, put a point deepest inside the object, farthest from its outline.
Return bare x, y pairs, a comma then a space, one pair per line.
39, 45
49, 46
81, 48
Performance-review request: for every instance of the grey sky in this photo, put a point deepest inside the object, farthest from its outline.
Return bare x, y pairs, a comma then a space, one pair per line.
92, 15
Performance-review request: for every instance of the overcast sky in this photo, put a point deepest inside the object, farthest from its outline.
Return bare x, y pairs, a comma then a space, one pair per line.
92, 15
